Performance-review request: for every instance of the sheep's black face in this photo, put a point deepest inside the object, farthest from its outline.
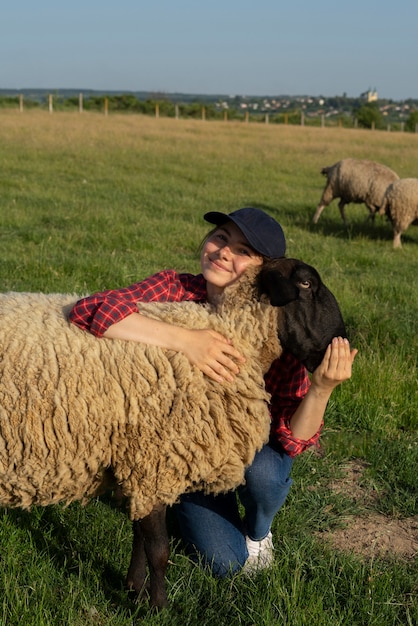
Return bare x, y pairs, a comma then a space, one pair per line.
311, 315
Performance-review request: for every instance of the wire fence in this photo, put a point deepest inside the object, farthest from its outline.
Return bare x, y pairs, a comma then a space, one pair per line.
130, 104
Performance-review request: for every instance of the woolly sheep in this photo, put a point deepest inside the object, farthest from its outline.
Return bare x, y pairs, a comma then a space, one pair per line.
357, 181
77, 412
400, 204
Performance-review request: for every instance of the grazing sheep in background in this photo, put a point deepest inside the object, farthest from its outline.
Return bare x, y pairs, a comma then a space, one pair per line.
79, 415
357, 181
400, 204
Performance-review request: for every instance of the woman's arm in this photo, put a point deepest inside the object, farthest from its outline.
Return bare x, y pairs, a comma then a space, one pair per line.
114, 314
212, 353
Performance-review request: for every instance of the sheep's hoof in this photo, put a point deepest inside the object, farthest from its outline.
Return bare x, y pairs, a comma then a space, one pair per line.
138, 596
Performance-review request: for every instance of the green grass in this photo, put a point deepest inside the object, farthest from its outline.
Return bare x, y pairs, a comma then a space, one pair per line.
89, 202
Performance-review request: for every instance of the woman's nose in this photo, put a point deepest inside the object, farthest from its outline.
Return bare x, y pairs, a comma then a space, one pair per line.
226, 251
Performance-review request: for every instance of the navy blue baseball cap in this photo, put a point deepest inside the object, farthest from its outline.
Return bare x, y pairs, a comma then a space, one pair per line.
263, 233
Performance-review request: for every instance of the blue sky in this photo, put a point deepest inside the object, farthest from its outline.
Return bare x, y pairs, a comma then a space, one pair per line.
268, 47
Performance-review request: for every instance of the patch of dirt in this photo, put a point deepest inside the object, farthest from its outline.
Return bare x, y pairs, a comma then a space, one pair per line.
371, 534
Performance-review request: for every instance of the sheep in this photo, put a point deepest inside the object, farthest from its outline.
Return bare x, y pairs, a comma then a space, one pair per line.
79, 415
357, 181
400, 204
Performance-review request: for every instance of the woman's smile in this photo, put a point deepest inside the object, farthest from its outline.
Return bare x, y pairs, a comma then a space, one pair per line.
218, 265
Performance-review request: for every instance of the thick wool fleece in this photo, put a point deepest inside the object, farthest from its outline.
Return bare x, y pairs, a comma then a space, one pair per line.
72, 405
401, 206
357, 181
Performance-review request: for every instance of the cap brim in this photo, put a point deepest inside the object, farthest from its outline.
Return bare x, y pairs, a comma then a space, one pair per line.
216, 217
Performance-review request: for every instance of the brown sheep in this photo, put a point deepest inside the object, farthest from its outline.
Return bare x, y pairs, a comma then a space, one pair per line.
78, 414
400, 204
357, 181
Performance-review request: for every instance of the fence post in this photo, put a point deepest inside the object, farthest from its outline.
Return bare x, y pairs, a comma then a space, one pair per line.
50, 106
106, 106
286, 118
203, 113
416, 128
176, 109
266, 118
322, 121
402, 126
247, 117
21, 102
225, 116
157, 110
80, 102
302, 118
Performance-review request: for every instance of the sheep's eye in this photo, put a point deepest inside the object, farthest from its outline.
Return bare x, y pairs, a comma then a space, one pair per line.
305, 284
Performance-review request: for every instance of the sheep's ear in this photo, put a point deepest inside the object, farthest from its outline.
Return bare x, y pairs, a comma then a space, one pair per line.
279, 289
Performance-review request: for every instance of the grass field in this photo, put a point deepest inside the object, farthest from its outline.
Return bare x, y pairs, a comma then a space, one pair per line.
89, 202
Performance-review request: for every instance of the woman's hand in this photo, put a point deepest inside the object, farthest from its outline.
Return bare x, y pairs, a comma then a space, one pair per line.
213, 354
336, 366
210, 351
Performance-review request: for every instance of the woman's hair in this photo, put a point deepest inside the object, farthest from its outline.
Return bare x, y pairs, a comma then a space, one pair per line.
205, 238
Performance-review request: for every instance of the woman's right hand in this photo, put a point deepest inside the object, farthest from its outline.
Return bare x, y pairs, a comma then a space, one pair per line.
210, 351
213, 354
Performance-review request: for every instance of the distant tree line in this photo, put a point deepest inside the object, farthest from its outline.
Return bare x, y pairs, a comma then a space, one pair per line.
362, 115
370, 116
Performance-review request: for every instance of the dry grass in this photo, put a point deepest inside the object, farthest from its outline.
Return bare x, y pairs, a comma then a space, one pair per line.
319, 145
370, 534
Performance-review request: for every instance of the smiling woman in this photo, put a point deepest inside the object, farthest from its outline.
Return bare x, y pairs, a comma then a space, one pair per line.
245, 238
226, 254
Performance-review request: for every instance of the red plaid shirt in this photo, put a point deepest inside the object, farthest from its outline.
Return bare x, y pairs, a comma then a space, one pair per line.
287, 380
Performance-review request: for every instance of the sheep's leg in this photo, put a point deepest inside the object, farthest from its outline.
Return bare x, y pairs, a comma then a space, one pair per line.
372, 212
150, 540
397, 243
137, 570
321, 206
157, 549
326, 199
341, 206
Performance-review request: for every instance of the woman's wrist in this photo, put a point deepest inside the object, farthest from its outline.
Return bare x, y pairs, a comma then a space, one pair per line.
308, 417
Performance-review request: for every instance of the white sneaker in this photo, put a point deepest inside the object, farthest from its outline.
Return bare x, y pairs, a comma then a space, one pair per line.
260, 554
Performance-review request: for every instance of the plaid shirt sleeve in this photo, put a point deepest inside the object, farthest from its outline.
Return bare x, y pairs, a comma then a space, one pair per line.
288, 382
97, 312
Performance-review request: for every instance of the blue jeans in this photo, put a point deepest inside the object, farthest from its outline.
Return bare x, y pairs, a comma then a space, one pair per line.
211, 526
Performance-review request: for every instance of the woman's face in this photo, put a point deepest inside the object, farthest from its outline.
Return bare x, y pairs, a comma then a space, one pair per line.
226, 254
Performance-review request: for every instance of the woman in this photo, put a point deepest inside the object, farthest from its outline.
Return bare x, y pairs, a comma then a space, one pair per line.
211, 526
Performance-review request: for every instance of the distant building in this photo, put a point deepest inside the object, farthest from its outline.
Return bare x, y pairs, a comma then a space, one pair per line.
370, 95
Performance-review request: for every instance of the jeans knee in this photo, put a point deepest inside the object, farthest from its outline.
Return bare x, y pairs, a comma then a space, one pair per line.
220, 564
